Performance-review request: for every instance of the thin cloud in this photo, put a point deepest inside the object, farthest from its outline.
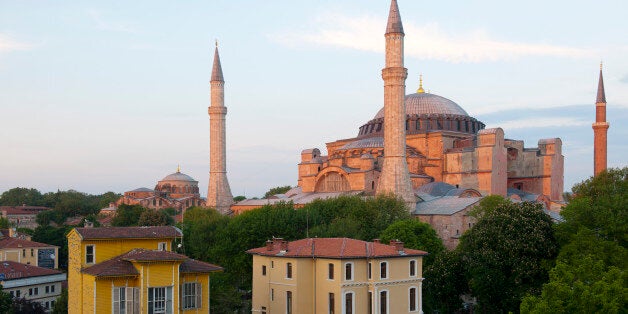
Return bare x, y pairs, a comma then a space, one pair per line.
427, 41
112, 26
529, 123
624, 79
8, 44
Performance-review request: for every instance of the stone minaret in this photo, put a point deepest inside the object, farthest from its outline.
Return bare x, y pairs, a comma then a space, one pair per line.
218, 194
394, 177
600, 128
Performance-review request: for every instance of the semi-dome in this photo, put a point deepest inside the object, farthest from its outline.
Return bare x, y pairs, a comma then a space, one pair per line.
426, 103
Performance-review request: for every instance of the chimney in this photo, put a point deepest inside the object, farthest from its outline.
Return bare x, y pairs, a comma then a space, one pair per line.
88, 224
397, 244
376, 241
269, 245
284, 245
12, 233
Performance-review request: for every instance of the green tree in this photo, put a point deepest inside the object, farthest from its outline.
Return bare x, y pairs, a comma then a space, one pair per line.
54, 236
506, 255
61, 304
277, 190
127, 215
6, 302
590, 272
24, 306
415, 235
153, 217
444, 283
21, 196
239, 198
4, 223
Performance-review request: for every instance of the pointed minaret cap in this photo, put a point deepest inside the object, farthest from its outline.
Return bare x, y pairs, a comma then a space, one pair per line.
601, 97
394, 19
217, 69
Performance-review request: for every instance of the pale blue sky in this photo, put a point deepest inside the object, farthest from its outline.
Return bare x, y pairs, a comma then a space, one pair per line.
98, 96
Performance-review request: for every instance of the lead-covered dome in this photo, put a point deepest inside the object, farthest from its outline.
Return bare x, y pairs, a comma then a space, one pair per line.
426, 103
178, 176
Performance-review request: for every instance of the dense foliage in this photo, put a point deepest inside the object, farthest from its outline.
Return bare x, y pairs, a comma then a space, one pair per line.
277, 190
223, 240
502, 258
590, 273
415, 235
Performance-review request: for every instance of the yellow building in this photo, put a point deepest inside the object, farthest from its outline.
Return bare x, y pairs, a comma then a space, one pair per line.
336, 275
13, 248
133, 270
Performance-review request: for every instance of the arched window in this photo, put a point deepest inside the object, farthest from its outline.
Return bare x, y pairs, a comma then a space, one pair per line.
332, 182
383, 270
330, 271
348, 271
413, 299
383, 302
412, 268
349, 304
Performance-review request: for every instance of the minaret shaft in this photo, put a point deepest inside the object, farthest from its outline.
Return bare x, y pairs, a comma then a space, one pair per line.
394, 177
600, 129
218, 193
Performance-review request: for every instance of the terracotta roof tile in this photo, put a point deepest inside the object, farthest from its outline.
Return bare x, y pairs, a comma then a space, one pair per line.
194, 266
130, 232
6, 243
122, 265
15, 270
334, 248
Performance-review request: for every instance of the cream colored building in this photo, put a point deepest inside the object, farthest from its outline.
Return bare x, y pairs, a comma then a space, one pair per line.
32, 283
336, 275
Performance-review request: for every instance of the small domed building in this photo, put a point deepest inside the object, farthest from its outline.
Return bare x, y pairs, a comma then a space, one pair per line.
177, 190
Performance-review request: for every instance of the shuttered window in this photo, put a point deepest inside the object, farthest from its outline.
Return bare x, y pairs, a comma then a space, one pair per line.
126, 300
191, 295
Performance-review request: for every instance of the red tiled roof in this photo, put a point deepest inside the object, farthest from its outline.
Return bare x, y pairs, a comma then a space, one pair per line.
194, 266
23, 210
334, 248
130, 232
11, 243
121, 265
15, 270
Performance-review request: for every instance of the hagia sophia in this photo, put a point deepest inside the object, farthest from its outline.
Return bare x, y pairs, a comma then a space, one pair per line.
422, 147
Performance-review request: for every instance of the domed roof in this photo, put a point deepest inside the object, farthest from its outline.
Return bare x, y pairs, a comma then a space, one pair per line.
178, 176
426, 103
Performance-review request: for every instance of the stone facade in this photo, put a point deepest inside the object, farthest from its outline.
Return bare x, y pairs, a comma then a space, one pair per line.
218, 193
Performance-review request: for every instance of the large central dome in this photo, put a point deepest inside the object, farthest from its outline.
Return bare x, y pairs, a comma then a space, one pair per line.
426, 103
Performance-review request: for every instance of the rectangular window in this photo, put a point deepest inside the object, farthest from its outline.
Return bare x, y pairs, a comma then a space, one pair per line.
349, 303
272, 264
349, 271
23, 252
125, 300
89, 254
370, 268
47, 289
36, 290
18, 293
160, 300
330, 271
413, 299
272, 294
383, 270
383, 302
191, 295
52, 288
370, 305
289, 302
412, 268
32, 252
332, 303
263, 270
162, 246
263, 310
289, 270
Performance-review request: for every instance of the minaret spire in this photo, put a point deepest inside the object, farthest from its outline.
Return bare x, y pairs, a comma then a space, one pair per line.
600, 129
218, 193
394, 177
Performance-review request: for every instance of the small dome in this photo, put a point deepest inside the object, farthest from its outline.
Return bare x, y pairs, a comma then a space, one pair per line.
426, 103
371, 142
178, 176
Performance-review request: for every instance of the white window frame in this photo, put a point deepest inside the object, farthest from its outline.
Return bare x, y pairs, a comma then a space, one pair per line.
379, 301
93, 254
167, 299
351, 273
191, 295
131, 300
387, 270
416, 298
344, 302
415, 268
162, 246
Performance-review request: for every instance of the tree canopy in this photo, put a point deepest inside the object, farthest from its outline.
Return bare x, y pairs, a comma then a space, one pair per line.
277, 190
415, 235
590, 272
